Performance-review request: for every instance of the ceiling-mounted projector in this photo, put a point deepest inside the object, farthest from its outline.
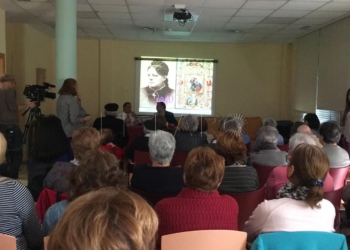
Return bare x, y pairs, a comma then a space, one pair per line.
184, 15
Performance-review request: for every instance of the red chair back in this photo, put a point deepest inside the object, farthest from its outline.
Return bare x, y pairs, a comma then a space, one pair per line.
284, 147
335, 198
152, 199
263, 172
179, 158
339, 176
134, 132
247, 202
142, 157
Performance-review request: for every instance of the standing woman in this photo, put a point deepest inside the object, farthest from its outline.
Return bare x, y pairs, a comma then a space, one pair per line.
69, 109
345, 121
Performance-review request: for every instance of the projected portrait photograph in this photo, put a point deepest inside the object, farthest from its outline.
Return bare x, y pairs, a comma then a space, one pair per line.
157, 83
194, 90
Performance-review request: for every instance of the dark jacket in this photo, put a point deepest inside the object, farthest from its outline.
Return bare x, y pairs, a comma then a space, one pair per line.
120, 132
170, 118
188, 140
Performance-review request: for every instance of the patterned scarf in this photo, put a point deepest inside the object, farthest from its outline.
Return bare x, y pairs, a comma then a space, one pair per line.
289, 190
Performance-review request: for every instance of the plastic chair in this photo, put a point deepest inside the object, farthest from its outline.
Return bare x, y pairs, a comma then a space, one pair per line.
284, 147
7, 242
179, 158
134, 132
335, 198
142, 157
152, 199
263, 172
300, 240
205, 240
339, 176
247, 202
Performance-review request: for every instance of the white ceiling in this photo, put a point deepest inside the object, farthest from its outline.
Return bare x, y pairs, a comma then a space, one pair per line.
258, 21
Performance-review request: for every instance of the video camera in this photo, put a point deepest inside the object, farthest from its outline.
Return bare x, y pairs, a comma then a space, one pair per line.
39, 92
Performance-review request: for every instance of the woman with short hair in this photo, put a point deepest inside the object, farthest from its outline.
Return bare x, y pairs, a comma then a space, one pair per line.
106, 219
300, 205
69, 109
18, 216
199, 206
238, 177
98, 169
189, 138
83, 140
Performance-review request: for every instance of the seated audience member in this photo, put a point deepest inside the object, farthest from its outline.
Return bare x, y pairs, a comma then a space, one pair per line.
300, 205
306, 130
50, 145
18, 217
272, 123
128, 116
312, 121
203, 128
120, 132
161, 110
231, 124
189, 138
106, 219
269, 154
158, 122
278, 176
107, 143
83, 140
199, 206
238, 177
329, 137
97, 170
160, 178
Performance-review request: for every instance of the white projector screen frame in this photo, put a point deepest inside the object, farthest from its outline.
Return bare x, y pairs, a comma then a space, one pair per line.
190, 89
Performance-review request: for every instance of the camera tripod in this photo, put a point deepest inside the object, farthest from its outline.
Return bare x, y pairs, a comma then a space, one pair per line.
33, 113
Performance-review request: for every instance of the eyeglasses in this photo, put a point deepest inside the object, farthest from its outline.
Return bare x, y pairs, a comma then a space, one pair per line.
288, 158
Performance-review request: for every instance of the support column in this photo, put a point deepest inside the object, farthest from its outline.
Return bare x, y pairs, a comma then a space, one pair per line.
66, 41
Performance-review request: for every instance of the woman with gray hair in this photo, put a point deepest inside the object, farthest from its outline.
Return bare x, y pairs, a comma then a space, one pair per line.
269, 154
189, 138
160, 177
267, 122
278, 176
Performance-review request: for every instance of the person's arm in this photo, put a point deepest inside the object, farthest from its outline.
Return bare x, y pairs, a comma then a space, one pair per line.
30, 222
257, 221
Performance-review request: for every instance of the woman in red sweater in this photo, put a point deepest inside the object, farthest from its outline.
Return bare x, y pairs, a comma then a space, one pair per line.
199, 206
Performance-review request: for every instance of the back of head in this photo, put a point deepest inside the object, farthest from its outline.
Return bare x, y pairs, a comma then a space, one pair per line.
106, 219
232, 148
204, 169
98, 169
269, 137
7, 78
48, 130
300, 138
311, 166
231, 124
3, 148
68, 87
330, 132
202, 125
304, 129
161, 147
190, 123
83, 140
270, 122
111, 109
106, 136
312, 121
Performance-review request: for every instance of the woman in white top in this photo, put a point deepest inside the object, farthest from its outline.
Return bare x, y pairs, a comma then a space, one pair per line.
300, 205
345, 121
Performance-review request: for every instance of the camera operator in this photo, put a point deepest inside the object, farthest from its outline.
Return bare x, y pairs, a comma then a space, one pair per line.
9, 124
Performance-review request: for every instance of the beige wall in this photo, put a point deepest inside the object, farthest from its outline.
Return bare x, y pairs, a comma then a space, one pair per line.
2, 32
254, 80
251, 79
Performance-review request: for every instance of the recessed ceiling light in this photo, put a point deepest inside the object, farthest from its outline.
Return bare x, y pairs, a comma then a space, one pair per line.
236, 31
